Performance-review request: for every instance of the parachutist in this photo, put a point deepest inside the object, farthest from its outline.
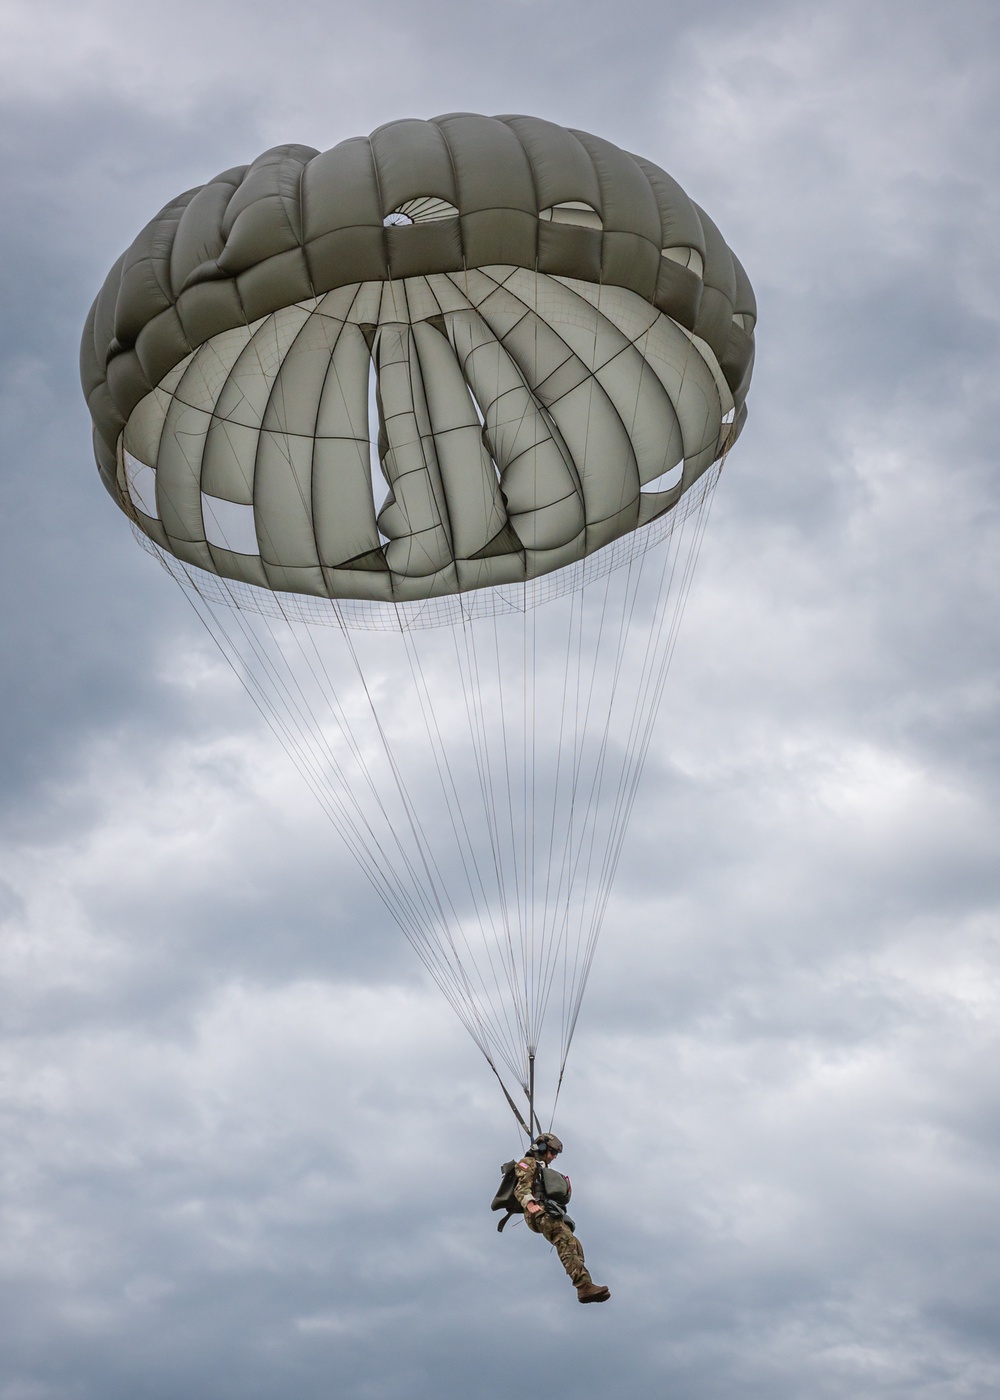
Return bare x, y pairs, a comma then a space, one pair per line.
543, 1195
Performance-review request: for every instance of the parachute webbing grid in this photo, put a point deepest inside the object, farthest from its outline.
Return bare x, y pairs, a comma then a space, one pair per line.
448, 843
373, 615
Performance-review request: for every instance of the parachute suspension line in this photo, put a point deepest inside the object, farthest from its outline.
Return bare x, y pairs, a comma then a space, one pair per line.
579, 713
325, 796
622, 631
578, 837
480, 731
428, 893
562, 940
569, 735
531, 777
544, 941
517, 872
456, 971
555, 1100
513, 1106
584, 804
300, 745
288, 722
580, 854
472, 686
659, 655
576, 799
463, 839
521, 864
441, 755
415, 922
507, 733
436, 886
561, 816
330, 691
531, 766
533, 1121
315, 736
545, 945
516, 898
294, 724
559, 908
596, 872
666, 654
664, 647
603, 882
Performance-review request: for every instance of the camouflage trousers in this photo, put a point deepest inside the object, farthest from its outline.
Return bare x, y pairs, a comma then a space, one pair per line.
567, 1246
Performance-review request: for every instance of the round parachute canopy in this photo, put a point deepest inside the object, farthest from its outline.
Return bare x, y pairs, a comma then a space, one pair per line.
456, 354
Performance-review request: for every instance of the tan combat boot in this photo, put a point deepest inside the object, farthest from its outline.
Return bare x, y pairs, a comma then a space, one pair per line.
593, 1293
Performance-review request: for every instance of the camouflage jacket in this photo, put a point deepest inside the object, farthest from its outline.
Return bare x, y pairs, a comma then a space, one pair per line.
528, 1173
525, 1172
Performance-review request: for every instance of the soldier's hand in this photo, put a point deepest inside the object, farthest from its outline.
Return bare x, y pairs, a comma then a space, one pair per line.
533, 1207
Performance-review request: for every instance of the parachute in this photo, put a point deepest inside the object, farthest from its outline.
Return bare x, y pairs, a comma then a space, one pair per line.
426, 426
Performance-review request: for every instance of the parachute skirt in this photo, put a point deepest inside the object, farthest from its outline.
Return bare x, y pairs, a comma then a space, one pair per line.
518, 423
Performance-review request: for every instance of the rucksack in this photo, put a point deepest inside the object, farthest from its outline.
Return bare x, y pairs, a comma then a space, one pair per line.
505, 1198
554, 1193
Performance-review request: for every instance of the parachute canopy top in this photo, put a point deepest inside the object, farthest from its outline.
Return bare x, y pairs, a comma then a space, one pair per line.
547, 339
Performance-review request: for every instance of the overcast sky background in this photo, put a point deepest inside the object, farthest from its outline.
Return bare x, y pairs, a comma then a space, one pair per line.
244, 1150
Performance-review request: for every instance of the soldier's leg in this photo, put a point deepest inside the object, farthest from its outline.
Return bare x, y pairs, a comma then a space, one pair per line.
567, 1246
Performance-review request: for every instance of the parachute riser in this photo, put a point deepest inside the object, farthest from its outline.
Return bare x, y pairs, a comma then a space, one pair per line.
513, 1106
532, 1119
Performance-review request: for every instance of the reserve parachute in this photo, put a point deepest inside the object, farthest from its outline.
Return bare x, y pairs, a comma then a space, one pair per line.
426, 426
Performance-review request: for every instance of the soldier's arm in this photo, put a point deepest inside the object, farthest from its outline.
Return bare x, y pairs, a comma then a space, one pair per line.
524, 1182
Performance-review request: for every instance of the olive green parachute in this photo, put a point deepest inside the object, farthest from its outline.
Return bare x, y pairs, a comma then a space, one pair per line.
439, 375
552, 324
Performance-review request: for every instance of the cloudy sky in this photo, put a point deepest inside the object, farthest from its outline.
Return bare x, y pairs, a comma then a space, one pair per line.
244, 1150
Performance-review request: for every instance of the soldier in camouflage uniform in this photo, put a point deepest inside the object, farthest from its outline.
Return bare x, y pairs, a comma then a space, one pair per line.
545, 1213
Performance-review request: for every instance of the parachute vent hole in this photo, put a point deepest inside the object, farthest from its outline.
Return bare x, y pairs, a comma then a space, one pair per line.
482, 429
572, 211
687, 257
425, 209
229, 525
380, 486
666, 480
